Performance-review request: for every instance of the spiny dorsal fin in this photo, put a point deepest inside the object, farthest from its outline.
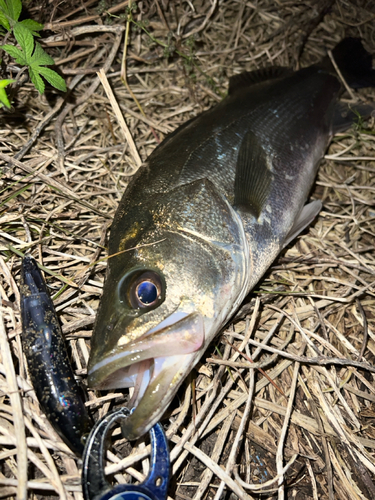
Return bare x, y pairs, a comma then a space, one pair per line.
248, 78
253, 176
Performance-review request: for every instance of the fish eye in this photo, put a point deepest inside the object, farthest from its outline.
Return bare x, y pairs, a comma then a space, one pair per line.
145, 290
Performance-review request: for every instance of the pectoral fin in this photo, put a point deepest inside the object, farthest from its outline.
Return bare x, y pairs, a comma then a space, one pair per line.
305, 217
253, 176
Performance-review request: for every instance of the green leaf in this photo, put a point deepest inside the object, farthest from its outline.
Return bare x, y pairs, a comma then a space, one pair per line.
17, 54
5, 83
4, 98
4, 21
36, 79
53, 78
4, 101
25, 39
11, 10
3, 95
32, 26
15, 8
40, 57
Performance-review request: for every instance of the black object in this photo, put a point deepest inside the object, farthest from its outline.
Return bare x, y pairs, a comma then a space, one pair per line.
49, 367
94, 484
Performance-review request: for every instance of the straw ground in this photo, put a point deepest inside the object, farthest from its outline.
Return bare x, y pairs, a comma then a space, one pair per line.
283, 403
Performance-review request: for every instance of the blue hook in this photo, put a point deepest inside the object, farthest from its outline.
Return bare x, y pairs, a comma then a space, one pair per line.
94, 484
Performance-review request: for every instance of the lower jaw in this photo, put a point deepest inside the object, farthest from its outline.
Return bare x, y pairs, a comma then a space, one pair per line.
150, 406
141, 382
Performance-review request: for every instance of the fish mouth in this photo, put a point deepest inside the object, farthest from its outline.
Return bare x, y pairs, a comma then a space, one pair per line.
155, 365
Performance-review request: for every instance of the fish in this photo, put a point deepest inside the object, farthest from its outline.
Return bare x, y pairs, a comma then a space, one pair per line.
204, 218
51, 373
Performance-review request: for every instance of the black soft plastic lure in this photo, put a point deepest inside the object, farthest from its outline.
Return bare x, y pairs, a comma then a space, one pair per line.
48, 362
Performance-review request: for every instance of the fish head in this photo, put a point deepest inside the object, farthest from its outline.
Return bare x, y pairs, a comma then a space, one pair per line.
177, 272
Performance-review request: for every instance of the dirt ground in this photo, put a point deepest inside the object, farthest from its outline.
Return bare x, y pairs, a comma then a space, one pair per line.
65, 163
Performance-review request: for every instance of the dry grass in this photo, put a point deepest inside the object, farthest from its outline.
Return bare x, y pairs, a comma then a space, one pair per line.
311, 433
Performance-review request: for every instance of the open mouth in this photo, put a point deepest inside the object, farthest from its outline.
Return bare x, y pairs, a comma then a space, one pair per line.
155, 365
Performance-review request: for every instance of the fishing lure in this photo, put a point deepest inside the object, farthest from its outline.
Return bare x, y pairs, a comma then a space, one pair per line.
50, 370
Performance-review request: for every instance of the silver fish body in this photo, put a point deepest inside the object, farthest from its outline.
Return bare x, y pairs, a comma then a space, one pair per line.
199, 225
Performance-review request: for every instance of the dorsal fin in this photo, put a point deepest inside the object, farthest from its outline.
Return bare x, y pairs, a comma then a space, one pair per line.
248, 78
253, 176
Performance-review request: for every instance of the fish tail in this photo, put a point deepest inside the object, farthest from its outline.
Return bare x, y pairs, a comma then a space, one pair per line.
354, 63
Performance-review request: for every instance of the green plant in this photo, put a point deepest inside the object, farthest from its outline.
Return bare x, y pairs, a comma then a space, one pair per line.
3, 95
30, 54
